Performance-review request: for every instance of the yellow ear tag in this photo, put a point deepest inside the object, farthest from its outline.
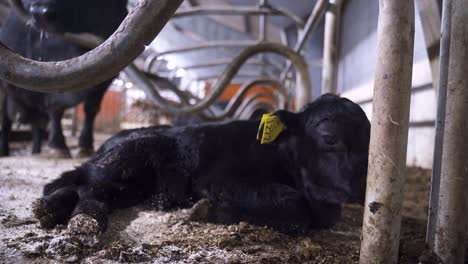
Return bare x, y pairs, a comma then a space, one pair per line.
270, 128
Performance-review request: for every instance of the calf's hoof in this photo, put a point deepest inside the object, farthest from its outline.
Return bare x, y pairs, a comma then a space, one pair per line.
43, 214
84, 153
56, 208
83, 224
200, 210
53, 153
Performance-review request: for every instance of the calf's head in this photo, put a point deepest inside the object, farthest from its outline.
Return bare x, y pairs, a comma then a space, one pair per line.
76, 16
326, 145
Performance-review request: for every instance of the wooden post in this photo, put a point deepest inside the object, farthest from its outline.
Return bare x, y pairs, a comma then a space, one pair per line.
389, 132
451, 221
330, 47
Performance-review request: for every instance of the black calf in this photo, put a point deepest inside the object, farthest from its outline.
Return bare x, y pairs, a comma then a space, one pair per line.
318, 161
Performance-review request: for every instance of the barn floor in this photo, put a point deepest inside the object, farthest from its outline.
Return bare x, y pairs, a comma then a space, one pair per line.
142, 235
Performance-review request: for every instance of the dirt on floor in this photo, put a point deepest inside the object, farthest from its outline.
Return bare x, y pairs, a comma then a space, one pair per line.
142, 235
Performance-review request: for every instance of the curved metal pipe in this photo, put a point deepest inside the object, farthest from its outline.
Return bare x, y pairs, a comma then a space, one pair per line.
287, 13
252, 100
139, 28
211, 45
234, 103
303, 35
254, 106
240, 10
303, 87
150, 61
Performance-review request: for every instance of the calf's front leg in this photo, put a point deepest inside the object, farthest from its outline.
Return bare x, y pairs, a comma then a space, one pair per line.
278, 206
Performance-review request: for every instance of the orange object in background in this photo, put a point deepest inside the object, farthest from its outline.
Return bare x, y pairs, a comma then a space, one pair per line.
232, 89
108, 118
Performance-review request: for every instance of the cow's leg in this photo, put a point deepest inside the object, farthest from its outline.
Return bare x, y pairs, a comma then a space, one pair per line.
278, 206
6, 130
91, 108
37, 133
58, 148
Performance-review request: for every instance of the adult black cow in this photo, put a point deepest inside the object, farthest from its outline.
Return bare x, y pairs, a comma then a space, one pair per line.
296, 182
37, 41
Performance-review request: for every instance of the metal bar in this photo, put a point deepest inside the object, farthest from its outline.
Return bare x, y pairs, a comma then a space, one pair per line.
389, 133
238, 75
150, 89
330, 47
263, 28
284, 38
429, 14
138, 29
251, 103
239, 11
149, 61
254, 106
211, 45
303, 87
262, 22
235, 101
285, 12
216, 63
452, 216
446, 28
311, 23
225, 11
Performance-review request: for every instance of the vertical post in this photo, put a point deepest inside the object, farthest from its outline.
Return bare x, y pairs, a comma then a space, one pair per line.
330, 47
262, 22
2, 96
389, 133
439, 126
262, 31
429, 13
451, 221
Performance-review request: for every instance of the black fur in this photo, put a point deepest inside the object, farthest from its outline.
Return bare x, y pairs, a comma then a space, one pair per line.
297, 182
38, 41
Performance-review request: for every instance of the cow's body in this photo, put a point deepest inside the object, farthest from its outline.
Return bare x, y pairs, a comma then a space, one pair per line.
295, 183
33, 41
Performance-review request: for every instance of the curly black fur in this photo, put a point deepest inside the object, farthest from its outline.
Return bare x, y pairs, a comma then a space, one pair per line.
297, 182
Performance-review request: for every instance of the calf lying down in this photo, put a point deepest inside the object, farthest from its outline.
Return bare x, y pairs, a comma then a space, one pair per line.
315, 160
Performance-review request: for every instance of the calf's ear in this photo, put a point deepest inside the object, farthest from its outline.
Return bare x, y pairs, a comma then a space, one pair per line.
278, 126
292, 121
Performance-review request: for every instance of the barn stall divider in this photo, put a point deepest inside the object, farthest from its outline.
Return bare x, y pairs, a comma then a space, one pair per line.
389, 132
447, 216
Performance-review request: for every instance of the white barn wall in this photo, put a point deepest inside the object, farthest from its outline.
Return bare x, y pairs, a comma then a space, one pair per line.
357, 69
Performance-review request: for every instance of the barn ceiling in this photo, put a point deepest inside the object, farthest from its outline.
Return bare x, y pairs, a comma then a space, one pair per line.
196, 30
